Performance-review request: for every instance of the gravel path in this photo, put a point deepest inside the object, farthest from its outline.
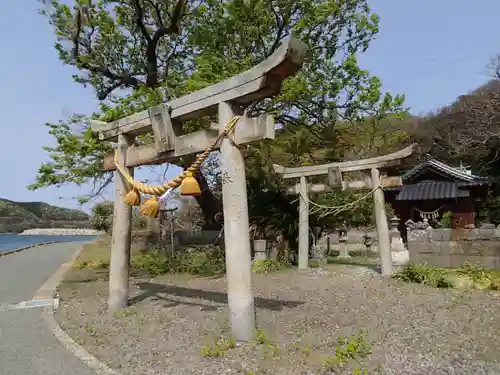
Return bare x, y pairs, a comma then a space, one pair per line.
412, 329
27, 346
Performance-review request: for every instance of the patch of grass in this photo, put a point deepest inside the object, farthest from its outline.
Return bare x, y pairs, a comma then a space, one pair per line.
91, 330
91, 264
358, 259
268, 265
122, 313
94, 255
314, 263
151, 262
424, 274
261, 337
479, 276
468, 276
495, 282
304, 350
199, 260
270, 348
141, 319
348, 349
165, 318
218, 348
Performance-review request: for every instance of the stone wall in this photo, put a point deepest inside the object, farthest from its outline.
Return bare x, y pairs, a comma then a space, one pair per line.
451, 248
204, 237
354, 237
150, 239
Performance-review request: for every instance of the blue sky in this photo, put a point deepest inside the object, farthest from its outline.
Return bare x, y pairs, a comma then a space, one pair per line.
430, 50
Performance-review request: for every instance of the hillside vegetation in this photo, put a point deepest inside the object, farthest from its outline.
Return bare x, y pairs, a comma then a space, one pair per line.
18, 216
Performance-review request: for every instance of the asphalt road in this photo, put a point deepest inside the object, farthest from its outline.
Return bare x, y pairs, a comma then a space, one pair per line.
27, 345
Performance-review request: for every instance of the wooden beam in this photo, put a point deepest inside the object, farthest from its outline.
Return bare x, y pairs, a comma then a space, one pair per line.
383, 161
348, 185
247, 130
257, 83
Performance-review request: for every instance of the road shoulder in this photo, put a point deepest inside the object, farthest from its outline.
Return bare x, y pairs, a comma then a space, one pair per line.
49, 290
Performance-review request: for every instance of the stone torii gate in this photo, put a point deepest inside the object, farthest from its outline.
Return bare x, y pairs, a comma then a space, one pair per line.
334, 172
228, 99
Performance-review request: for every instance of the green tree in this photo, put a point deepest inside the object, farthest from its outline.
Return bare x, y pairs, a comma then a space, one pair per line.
137, 53
102, 216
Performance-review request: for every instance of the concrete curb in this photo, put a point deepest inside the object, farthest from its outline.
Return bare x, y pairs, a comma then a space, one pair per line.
4, 253
49, 290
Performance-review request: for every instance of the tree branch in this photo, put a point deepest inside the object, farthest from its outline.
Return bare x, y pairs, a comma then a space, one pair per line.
151, 58
139, 20
159, 18
118, 80
97, 190
280, 23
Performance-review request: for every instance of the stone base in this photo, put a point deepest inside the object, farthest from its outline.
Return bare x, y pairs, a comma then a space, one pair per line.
400, 258
343, 257
260, 256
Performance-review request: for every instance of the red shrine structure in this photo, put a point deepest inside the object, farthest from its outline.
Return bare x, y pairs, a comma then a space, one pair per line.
432, 188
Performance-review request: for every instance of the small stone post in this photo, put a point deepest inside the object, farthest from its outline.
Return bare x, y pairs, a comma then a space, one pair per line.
399, 253
343, 243
367, 241
260, 249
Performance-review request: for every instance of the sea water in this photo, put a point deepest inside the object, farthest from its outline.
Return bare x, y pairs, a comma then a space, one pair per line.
15, 241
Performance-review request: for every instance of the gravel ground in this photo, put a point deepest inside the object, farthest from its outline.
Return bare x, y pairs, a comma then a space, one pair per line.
412, 329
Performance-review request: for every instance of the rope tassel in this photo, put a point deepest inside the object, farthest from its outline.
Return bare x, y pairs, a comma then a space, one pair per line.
189, 185
133, 198
151, 207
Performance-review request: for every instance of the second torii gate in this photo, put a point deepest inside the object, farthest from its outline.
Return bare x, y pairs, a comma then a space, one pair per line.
374, 181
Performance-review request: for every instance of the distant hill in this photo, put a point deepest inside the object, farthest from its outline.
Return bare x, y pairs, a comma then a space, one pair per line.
18, 216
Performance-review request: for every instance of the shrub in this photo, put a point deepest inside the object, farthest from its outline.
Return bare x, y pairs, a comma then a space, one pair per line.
495, 282
446, 219
199, 260
202, 260
314, 263
480, 277
102, 216
151, 262
468, 276
476, 273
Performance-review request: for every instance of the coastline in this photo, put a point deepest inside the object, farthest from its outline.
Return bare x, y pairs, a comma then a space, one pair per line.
8, 252
61, 232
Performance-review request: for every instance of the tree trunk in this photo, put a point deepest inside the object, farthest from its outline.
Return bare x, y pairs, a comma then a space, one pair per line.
209, 204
